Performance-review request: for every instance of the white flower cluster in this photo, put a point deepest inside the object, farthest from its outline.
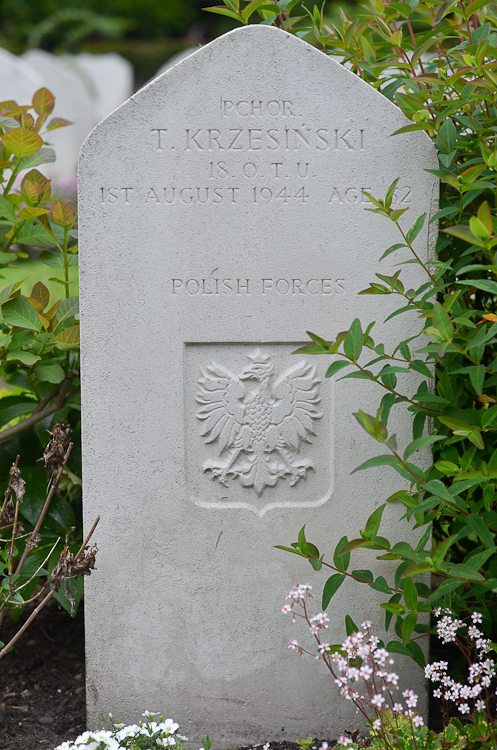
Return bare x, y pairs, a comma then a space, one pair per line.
480, 672
156, 734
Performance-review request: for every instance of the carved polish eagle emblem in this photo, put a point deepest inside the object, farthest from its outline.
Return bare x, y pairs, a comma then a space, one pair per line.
258, 421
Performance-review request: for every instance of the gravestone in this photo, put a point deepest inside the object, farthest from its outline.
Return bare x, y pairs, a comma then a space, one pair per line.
221, 216
18, 80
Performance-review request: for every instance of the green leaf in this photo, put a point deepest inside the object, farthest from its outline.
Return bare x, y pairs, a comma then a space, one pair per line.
418, 366
373, 523
25, 357
465, 573
67, 308
15, 406
8, 123
477, 376
394, 608
416, 126
302, 543
416, 653
341, 561
223, 12
352, 345
481, 529
416, 445
394, 647
484, 284
350, 625
449, 134
442, 322
49, 372
380, 585
378, 461
289, 549
34, 235
408, 623
392, 249
9, 290
45, 155
331, 587
19, 313
336, 367
363, 576
22, 142
7, 209
415, 229
441, 549
411, 595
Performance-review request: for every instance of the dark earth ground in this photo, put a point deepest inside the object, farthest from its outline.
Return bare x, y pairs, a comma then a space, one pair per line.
42, 696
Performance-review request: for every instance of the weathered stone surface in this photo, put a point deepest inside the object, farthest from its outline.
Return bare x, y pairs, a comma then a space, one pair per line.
221, 216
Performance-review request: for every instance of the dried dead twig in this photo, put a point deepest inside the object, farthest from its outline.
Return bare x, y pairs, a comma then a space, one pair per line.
54, 465
82, 564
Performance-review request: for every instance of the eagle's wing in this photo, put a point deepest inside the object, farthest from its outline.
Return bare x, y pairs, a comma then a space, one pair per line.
220, 392
296, 407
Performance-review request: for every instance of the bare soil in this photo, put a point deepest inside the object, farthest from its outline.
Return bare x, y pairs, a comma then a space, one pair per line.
42, 694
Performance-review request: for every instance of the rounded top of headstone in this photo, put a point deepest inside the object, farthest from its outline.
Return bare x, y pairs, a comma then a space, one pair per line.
258, 56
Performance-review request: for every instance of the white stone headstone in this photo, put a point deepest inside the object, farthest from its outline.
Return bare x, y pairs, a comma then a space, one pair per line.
221, 216
18, 79
72, 102
108, 77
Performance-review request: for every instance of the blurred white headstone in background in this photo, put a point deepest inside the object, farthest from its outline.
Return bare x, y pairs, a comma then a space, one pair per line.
86, 87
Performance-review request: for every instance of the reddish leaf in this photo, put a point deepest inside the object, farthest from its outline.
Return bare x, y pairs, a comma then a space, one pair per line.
69, 337
63, 214
58, 122
40, 292
43, 101
34, 303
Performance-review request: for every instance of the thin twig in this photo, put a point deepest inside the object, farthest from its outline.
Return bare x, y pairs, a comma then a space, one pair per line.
36, 417
12, 544
45, 600
6, 601
83, 546
44, 510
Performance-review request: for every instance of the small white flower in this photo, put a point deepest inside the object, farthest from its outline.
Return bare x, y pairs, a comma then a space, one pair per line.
480, 705
376, 724
398, 707
324, 746
343, 740
476, 617
65, 746
82, 738
129, 731
418, 721
266, 746
464, 708
169, 726
293, 644
102, 735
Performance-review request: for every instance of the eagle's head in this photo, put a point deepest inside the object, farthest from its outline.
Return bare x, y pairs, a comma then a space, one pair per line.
260, 367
